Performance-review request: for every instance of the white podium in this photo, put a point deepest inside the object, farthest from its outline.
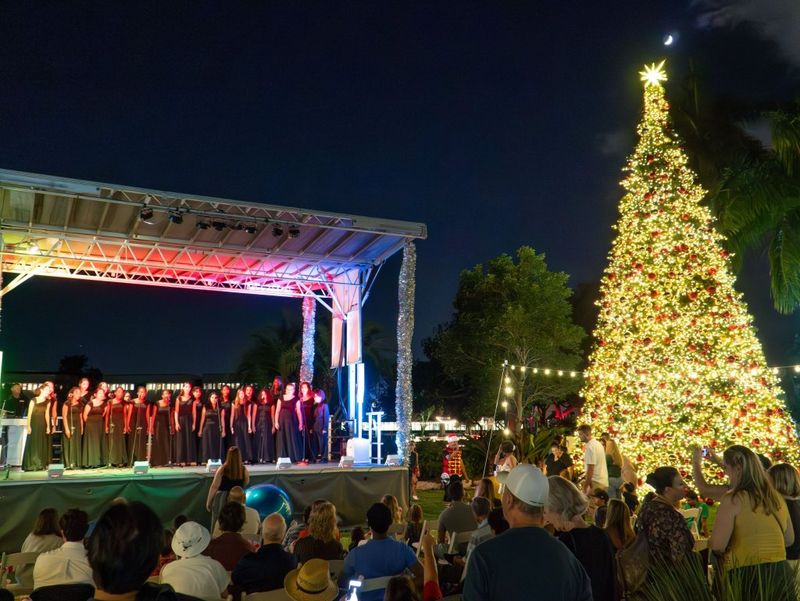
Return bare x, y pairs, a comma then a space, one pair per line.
16, 433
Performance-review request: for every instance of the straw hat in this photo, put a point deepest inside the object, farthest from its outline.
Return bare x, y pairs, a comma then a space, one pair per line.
311, 582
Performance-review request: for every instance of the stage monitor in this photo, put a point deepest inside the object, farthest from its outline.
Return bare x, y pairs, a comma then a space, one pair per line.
140, 468
284, 463
213, 464
55, 470
393, 460
346, 461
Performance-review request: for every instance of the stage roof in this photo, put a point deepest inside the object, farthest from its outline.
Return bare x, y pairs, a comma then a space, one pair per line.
61, 227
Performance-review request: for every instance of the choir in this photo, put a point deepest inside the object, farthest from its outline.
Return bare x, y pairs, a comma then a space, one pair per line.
113, 428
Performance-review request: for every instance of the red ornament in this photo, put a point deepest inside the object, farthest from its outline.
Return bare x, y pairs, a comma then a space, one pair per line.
651, 276
692, 296
711, 290
685, 217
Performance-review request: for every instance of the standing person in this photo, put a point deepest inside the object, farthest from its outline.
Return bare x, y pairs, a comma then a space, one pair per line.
321, 417
618, 524
138, 425
211, 430
558, 462
116, 420
229, 474
286, 424
226, 404
752, 528
594, 461
37, 446
613, 464
264, 439
72, 419
185, 421
668, 538
86, 396
306, 401
565, 510
451, 464
413, 468
17, 403
241, 425
498, 571
505, 460
786, 481
95, 451
160, 432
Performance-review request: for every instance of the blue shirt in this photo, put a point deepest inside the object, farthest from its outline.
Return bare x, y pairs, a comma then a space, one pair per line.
377, 559
525, 564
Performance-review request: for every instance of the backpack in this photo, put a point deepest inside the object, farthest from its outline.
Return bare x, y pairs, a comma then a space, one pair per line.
633, 562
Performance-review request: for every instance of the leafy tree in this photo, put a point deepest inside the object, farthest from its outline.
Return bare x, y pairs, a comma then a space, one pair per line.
71, 368
515, 311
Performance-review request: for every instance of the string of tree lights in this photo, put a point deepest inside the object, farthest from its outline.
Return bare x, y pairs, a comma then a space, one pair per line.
777, 370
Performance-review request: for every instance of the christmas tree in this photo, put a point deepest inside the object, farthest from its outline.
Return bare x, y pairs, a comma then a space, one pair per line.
676, 361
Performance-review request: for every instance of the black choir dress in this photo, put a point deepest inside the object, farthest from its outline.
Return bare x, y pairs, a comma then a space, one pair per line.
94, 437
211, 440
308, 429
185, 439
161, 453
240, 434
228, 441
264, 438
320, 425
37, 446
138, 436
288, 436
117, 449
72, 445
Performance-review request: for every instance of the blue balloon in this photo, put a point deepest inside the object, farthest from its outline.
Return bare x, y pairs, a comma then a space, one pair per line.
268, 499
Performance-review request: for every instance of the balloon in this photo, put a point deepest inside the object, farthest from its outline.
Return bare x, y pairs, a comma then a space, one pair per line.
268, 499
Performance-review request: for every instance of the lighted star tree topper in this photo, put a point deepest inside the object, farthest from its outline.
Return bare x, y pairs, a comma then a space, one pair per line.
676, 361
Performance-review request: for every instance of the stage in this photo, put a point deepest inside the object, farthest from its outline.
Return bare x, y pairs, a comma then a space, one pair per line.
172, 491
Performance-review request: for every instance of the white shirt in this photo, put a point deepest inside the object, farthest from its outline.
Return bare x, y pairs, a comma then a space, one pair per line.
251, 529
66, 565
199, 576
594, 454
36, 543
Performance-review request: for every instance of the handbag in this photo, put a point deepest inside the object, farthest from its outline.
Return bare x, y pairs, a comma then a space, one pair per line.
633, 563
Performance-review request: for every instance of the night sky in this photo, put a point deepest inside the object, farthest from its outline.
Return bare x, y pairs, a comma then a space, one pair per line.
497, 125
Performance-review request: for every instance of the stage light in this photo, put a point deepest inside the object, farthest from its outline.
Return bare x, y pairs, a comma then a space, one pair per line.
294, 231
146, 213
277, 231
218, 225
250, 229
176, 218
203, 225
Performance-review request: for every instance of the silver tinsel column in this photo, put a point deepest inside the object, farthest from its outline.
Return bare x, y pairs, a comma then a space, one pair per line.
309, 328
405, 331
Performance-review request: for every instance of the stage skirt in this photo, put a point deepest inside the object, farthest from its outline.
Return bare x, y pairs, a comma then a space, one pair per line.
94, 438
137, 438
241, 436
264, 438
288, 436
161, 452
37, 446
72, 445
211, 443
117, 449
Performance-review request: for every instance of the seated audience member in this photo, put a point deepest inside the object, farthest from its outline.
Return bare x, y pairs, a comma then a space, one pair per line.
480, 509
381, 556
321, 542
598, 506
192, 573
252, 521
497, 521
499, 571
68, 564
295, 528
167, 555
311, 582
565, 510
123, 550
414, 525
357, 536
265, 569
618, 524
45, 536
486, 489
456, 517
230, 546
394, 506
179, 521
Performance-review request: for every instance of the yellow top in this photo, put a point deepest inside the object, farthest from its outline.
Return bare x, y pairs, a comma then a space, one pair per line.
757, 537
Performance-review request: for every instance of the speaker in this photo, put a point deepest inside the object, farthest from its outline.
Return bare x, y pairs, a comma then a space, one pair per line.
346, 461
140, 468
55, 470
393, 460
284, 463
213, 464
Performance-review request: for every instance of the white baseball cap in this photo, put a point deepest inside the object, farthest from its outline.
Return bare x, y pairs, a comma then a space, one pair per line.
527, 483
190, 540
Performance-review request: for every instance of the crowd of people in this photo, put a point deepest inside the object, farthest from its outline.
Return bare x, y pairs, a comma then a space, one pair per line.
571, 541
102, 427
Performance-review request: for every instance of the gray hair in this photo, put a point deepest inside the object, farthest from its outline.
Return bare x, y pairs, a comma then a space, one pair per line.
273, 528
565, 499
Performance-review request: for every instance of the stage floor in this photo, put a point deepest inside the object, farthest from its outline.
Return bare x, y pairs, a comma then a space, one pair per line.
172, 491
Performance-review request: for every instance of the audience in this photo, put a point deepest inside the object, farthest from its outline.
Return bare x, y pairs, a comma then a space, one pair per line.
296, 527
786, 481
357, 536
694, 502
618, 524
630, 498
123, 550
45, 536
397, 512
456, 517
480, 509
613, 465
192, 573
597, 508
167, 555
230, 546
379, 557
69, 563
414, 526
322, 541
594, 461
558, 462
497, 521
252, 521
498, 570
486, 489
266, 569
312, 582
668, 537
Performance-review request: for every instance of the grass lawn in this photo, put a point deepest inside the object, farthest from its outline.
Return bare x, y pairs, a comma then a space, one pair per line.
432, 502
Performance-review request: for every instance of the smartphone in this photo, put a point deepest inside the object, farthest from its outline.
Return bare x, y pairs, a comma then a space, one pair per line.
352, 593
706, 452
